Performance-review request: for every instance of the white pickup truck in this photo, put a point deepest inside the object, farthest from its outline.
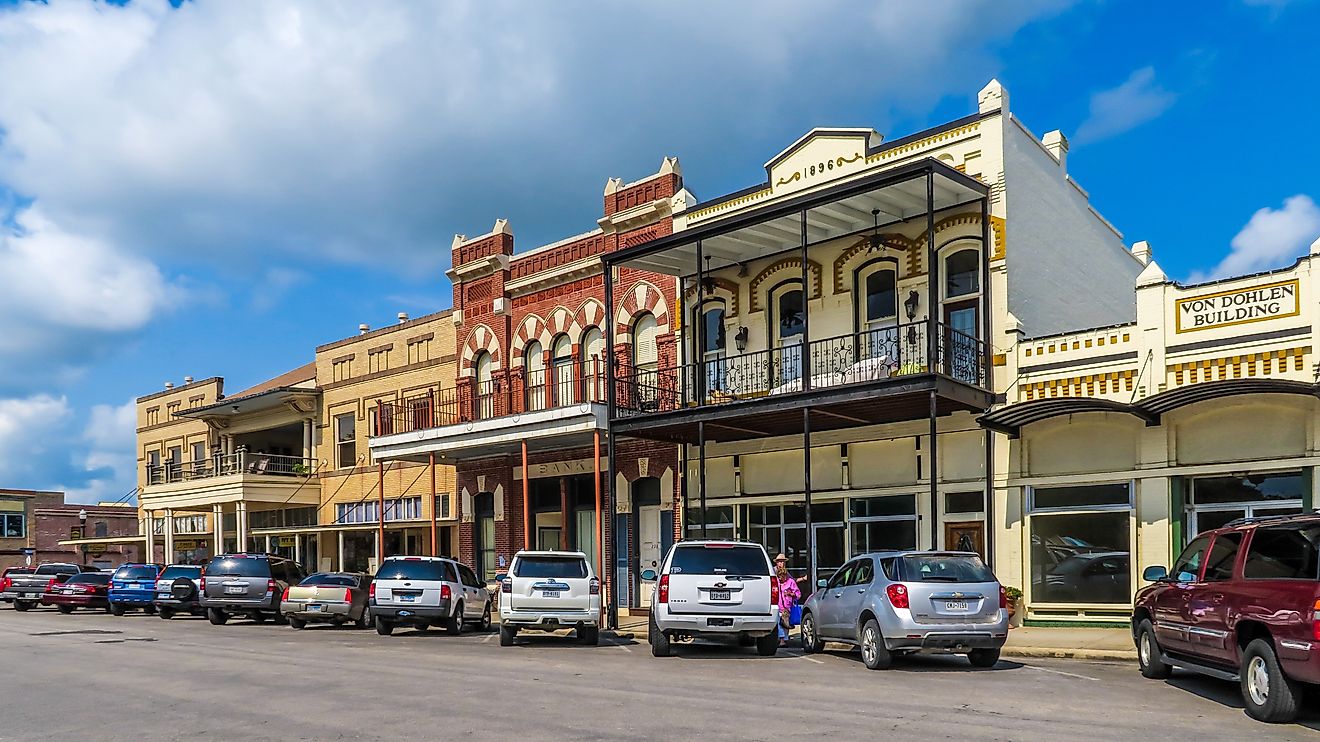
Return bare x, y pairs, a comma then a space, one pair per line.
549, 590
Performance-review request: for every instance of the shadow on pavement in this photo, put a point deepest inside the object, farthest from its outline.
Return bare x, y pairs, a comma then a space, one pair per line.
1229, 695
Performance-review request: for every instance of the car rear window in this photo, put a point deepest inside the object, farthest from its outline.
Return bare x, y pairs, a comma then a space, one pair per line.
419, 569
1282, 554
135, 573
174, 573
942, 568
89, 578
17, 572
719, 559
238, 567
334, 580
57, 569
551, 566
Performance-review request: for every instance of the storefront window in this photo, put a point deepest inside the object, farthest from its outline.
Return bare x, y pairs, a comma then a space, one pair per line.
359, 550
719, 522
1217, 501
1081, 556
882, 523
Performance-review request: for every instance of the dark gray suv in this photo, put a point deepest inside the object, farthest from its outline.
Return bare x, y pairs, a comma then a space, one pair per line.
247, 585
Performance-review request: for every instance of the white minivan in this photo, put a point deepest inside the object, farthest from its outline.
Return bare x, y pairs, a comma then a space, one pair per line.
716, 589
549, 590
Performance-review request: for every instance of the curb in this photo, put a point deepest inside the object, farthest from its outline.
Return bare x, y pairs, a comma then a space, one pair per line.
1108, 655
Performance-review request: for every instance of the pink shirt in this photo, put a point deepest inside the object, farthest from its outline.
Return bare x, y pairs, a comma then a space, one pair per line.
788, 594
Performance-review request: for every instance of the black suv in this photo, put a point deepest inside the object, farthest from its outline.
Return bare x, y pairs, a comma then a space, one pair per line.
247, 585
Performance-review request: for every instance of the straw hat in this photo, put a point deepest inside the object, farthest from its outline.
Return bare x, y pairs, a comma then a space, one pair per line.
781, 558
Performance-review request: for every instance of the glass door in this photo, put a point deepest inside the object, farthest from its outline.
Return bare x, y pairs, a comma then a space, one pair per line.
831, 549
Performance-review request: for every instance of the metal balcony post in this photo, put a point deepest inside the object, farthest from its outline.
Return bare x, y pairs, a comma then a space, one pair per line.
806, 314
699, 352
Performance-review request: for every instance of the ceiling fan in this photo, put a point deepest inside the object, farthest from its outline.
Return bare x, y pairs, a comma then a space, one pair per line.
875, 242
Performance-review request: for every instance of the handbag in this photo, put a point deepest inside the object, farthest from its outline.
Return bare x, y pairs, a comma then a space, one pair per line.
795, 615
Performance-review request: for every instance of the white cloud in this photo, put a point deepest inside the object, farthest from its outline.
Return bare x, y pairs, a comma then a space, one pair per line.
110, 460
28, 435
272, 286
1272, 238
1117, 110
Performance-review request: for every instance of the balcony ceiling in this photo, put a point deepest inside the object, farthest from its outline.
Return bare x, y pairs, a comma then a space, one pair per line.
295, 399
834, 212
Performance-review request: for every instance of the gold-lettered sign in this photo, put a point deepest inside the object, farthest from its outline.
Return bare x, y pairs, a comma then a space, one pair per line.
1238, 306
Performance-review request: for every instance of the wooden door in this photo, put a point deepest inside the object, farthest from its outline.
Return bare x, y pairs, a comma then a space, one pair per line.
961, 536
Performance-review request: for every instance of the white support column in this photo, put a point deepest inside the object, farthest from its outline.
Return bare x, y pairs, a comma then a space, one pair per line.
241, 524
307, 441
341, 551
169, 536
150, 528
218, 529
297, 548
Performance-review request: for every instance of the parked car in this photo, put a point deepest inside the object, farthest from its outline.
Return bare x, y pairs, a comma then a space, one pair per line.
178, 588
1241, 603
549, 590
715, 589
83, 590
7, 593
28, 588
421, 592
247, 585
328, 597
900, 602
1098, 577
133, 587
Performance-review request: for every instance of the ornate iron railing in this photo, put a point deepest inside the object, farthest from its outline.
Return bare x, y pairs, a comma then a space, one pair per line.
220, 465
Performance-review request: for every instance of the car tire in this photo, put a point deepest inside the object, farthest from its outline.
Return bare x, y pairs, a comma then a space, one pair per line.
1149, 653
383, 627
279, 618
768, 645
659, 641
589, 635
983, 657
217, 617
363, 621
297, 623
1267, 693
21, 605
423, 626
811, 641
454, 624
746, 640
165, 613
484, 624
874, 654
117, 609
507, 635
149, 609
65, 609
257, 617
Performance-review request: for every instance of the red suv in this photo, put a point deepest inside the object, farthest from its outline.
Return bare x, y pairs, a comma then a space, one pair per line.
1241, 603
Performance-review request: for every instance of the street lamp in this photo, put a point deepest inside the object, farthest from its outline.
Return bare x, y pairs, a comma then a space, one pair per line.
82, 531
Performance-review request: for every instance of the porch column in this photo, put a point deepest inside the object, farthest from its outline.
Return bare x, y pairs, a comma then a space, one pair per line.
934, 473
563, 513
435, 515
267, 539
241, 524
150, 530
595, 472
699, 352
701, 472
380, 523
608, 568
218, 529
987, 329
527, 507
340, 551
806, 494
806, 316
308, 453
169, 535
933, 361
297, 548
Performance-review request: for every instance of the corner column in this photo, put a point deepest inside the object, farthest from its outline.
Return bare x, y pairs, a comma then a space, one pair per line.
169, 536
149, 528
217, 529
241, 524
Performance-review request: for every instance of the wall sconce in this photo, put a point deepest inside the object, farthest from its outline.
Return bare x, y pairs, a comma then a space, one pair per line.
740, 339
911, 305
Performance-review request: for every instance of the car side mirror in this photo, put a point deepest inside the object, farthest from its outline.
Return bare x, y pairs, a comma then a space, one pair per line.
820, 583
648, 574
1154, 573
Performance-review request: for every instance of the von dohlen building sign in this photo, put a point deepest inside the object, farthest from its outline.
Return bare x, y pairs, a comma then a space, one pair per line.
1254, 304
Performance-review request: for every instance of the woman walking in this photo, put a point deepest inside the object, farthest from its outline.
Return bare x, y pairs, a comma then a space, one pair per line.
789, 594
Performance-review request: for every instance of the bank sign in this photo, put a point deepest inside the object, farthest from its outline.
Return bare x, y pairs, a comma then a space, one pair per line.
1253, 304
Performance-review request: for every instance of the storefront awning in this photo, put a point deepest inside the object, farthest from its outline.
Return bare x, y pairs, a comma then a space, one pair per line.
1163, 402
105, 541
1011, 419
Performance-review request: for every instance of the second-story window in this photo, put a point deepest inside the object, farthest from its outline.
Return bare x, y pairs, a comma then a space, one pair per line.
346, 441
711, 316
485, 402
593, 364
877, 297
535, 381
100, 529
962, 271
787, 325
561, 363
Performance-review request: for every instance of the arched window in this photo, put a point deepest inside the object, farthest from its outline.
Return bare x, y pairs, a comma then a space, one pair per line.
561, 363
962, 271
534, 380
593, 364
646, 361
788, 324
483, 365
961, 314
876, 292
711, 317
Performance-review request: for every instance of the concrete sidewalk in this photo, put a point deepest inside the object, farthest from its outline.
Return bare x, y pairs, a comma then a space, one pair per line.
1027, 641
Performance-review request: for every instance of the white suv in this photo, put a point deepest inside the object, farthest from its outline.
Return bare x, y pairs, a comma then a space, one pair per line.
421, 592
548, 590
716, 589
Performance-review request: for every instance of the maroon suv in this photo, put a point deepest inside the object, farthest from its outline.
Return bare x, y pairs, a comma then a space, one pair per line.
1241, 603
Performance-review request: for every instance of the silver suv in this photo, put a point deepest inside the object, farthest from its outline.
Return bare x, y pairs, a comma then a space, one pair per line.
899, 602
423, 591
246, 585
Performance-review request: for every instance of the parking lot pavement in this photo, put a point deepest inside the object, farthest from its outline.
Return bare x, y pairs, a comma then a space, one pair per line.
139, 677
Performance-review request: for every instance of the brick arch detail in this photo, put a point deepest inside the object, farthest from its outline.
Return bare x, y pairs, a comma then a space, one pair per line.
532, 328
560, 323
841, 273
642, 297
814, 271
590, 314
481, 338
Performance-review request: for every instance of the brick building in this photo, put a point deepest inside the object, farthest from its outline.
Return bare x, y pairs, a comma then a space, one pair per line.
41, 521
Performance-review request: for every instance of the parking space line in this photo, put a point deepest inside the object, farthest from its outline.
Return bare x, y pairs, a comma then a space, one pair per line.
1060, 672
487, 638
813, 659
624, 647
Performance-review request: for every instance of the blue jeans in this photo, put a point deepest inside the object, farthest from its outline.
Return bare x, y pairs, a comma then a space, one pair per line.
783, 633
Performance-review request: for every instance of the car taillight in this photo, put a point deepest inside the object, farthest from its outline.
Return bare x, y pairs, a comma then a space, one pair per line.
371, 591
445, 594
285, 596
51, 585
774, 590
595, 585
898, 595
506, 585
663, 589
271, 587
202, 583
1315, 621
4, 584
348, 595
1003, 597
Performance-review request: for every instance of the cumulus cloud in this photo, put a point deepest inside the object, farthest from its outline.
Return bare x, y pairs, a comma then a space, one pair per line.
110, 459
28, 436
1117, 110
1272, 238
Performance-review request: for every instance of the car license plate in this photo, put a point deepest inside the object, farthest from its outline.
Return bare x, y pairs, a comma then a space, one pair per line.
162, 596
235, 590
314, 608
549, 593
32, 595
408, 598
721, 595
955, 605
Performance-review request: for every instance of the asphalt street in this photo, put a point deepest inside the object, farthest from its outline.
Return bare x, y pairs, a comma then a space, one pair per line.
93, 676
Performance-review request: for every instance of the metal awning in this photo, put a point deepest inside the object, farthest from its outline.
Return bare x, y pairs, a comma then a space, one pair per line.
302, 398
896, 195
570, 426
1158, 404
1011, 419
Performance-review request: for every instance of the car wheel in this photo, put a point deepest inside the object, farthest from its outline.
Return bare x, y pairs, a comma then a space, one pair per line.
659, 642
767, 645
422, 626
1267, 693
589, 635
217, 617
257, 617
21, 605
297, 623
150, 610
363, 620
746, 640
65, 609
485, 619
279, 618
874, 654
507, 635
165, 613
383, 627
811, 641
454, 624
983, 657
117, 609
1149, 653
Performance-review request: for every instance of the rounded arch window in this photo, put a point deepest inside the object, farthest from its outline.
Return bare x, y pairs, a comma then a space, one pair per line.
962, 273
482, 365
593, 363
561, 363
789, 308
878, 290
711, 316
645, 335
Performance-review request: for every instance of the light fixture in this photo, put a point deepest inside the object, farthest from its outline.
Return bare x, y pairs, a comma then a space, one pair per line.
874, 243
708, 283
742, 269
910, 304
740, 339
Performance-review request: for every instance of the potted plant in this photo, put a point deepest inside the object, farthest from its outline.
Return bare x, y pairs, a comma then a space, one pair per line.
1014, 596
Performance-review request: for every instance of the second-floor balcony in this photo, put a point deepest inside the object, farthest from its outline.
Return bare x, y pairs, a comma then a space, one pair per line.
224, 465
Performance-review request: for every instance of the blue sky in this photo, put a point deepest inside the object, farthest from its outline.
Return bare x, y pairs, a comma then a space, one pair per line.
215, 189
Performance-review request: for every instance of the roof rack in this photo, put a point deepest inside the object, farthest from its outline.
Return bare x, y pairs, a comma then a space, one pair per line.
1269, 519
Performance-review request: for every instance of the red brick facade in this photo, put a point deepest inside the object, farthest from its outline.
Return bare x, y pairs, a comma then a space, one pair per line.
48, 521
